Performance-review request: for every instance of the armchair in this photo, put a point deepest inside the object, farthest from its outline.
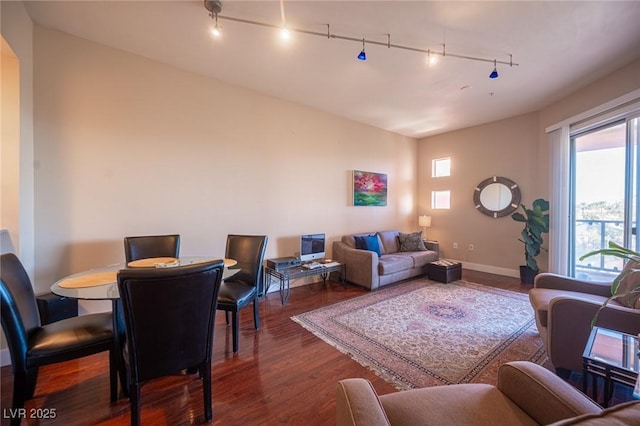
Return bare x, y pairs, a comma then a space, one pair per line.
564, 309
526, 394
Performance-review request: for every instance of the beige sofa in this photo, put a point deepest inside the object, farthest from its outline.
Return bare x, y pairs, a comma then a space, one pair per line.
564, 309
366, 268
526, 394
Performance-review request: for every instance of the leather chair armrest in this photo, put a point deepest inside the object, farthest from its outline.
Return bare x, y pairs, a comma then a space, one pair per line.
541, 394
357, 403
361, 265
560, 282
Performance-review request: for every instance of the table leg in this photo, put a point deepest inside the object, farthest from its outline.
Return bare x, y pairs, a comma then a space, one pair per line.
285, 290
324, 275
608, 385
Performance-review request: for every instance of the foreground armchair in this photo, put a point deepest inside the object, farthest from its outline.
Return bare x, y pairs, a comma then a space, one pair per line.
564, 309
526, 394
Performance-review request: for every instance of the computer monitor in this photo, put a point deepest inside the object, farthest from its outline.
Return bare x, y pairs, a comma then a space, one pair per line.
312, 247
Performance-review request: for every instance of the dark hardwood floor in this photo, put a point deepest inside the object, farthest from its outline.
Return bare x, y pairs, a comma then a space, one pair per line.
281, 375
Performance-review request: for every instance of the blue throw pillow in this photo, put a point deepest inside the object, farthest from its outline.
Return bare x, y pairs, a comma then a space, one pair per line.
368, 242
371, 241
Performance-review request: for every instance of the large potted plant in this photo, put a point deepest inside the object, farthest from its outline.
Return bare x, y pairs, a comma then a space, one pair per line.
536, 223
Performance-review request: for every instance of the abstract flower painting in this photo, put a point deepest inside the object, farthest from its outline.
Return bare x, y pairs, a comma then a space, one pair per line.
369, 189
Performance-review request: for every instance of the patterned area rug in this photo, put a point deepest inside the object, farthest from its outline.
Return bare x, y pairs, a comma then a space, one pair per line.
425, 333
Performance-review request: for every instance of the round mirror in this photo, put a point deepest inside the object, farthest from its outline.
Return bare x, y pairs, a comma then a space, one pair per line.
496, 196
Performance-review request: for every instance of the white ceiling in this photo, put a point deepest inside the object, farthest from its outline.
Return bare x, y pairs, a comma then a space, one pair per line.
559, 46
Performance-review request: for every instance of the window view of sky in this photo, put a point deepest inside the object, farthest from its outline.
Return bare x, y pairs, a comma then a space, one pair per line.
600, 176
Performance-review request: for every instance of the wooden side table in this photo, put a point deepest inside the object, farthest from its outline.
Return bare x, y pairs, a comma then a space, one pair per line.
612, 355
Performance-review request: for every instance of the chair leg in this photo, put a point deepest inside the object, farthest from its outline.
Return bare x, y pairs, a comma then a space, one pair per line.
205, 373
226, 317
30, 385
134, 397
256, 317
236, 330
113, 374
19, 396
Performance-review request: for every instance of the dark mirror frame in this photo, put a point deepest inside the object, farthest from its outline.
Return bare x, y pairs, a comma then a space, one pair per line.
511, 207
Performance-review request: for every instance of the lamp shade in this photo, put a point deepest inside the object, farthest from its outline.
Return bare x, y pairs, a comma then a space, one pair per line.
424, 221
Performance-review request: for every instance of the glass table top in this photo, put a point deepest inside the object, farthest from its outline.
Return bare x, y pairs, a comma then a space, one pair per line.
613, 348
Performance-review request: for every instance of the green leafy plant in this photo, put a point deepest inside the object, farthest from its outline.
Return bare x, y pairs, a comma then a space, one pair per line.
536, 223
623, 253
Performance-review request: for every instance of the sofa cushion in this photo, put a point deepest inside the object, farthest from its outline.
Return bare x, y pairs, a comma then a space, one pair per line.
622, 414
422, 258
411, 242
390, 264
368, 242
389, 241
630, 280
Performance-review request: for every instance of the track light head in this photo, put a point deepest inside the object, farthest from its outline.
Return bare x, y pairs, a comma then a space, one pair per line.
362, 56
494, 73
213, 6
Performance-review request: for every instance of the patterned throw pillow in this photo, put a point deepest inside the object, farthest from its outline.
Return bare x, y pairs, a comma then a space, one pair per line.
411, 242
630, 280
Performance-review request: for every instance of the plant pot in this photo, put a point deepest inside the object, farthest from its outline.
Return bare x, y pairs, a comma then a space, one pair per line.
527, 274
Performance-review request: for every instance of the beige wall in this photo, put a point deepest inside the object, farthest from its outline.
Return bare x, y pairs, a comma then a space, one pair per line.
516, 148
129, 146
503, 148
17, 144
17, 196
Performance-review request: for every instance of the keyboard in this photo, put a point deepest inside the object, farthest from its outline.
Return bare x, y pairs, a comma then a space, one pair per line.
330, 264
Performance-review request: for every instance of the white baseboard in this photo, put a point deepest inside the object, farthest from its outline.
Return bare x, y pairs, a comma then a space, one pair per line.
490, 269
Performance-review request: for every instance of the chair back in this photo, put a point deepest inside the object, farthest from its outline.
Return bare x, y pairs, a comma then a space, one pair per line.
169, 315
19, 310
248, 250
145, 247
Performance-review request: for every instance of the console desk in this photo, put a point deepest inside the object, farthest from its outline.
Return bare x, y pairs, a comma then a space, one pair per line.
284, 277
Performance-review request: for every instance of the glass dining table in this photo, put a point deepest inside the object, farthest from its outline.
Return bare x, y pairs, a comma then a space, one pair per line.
102, 284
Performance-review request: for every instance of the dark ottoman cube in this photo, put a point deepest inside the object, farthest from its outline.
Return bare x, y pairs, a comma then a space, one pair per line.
445, 271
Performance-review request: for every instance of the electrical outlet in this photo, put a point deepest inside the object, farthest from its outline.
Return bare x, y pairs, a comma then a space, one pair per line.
470, 247
455, 245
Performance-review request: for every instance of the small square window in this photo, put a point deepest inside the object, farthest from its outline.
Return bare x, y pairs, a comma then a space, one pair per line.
441, 200
441, 167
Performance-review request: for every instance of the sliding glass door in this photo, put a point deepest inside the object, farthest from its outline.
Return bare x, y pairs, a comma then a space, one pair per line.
604, 196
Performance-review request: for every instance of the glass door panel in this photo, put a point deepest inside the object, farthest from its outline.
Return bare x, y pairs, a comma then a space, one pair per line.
604, 197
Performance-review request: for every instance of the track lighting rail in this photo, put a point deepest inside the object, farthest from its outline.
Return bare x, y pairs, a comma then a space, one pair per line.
387, 44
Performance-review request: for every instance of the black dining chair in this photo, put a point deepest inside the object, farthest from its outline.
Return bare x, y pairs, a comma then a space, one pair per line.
32, 344
169, 314
241, 289
145, 247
